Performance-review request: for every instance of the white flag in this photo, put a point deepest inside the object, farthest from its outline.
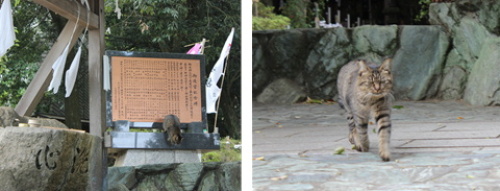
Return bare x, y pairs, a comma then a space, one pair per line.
211, 89
58, 68
72, 72
7, 34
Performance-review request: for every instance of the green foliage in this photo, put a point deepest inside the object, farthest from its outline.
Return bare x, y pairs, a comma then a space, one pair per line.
397, 106
266, 19
297, 11
227, 153
169, 25
33, 37
295, 14
424, 10
276, 22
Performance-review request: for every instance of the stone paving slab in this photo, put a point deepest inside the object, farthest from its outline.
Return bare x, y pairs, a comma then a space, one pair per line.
361, 171
444, 143
436, 145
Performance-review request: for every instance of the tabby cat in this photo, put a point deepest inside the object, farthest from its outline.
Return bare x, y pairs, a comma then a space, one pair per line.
172, 129
365, 91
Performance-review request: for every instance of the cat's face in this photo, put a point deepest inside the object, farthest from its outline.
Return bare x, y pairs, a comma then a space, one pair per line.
375, 82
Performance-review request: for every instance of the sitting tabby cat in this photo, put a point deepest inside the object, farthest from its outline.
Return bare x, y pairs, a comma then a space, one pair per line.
172, 129
365, 90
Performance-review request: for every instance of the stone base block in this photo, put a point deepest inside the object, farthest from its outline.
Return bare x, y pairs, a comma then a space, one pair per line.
136, 157
38, 158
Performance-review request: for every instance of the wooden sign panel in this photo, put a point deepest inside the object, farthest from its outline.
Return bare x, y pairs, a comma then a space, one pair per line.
145, 89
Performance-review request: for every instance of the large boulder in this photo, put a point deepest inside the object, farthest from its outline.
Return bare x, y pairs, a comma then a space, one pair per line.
454, 78
324, 62
418, 63
260, 74
381, 40
468, 38
489, 15
441, 14
37, 158
483, 85
282, 91
122, 178
283, 54
485, 12
453, 83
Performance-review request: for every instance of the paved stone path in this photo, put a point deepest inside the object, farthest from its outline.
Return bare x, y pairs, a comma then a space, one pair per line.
444, 145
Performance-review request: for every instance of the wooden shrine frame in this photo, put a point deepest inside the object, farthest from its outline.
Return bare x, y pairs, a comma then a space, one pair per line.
41, 81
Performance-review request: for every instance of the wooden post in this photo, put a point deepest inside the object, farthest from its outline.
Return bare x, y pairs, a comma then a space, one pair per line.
69, 10
97, 100
75, 12
41, 81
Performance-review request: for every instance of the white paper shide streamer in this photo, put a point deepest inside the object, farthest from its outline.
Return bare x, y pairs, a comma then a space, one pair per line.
58, 68
59, 64
7, 34
72, 72
212, 90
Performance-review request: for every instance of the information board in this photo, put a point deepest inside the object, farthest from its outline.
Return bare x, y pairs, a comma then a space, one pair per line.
145, 89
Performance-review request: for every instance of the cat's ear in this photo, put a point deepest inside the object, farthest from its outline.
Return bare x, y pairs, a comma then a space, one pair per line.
363, 68
386, 65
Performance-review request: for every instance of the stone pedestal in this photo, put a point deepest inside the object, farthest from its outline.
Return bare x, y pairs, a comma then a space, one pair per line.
136, 157
174, 176
48, 159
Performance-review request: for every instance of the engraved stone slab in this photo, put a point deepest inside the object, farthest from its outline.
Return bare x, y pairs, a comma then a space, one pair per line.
47, 159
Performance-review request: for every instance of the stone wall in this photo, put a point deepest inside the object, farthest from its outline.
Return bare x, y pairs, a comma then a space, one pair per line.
472, 65
176, 176
455, 58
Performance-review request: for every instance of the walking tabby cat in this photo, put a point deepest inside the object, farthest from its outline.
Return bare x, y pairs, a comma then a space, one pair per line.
365, 91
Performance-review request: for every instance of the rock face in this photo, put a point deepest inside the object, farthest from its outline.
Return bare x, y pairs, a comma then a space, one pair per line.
468, 37
175, 176
485, 12
483, 86
282, 91
281, 54
453, 83
331, 52
375, 39
418, 51
47, 159
471, 25
417, 64
436, 61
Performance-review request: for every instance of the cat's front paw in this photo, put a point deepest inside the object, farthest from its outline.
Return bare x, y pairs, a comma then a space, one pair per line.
362, 148
385, 155
351, 138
